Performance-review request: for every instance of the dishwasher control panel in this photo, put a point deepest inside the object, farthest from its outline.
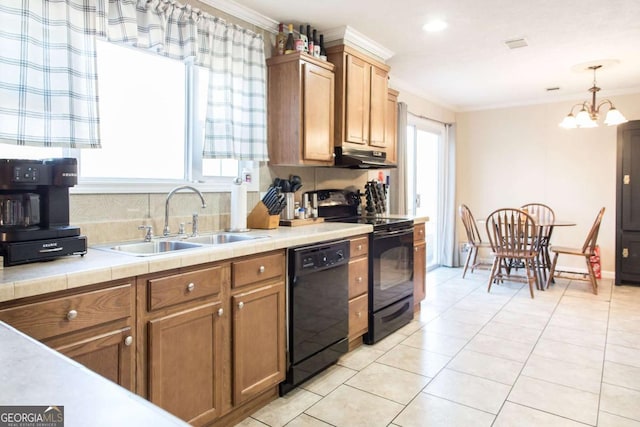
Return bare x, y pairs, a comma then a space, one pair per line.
324, 255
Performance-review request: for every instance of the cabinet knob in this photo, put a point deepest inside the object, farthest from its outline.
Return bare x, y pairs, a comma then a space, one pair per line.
359, 314
359, 279
261, 269
415, 249
190, 287
240, 305
128, 340
220, 312
72, 314
421, 231
360, 247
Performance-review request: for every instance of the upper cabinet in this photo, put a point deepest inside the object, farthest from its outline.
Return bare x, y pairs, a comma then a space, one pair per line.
361, 99
300, 110
392, 126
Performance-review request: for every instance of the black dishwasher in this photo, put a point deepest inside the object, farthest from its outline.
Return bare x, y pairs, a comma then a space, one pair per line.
318, 309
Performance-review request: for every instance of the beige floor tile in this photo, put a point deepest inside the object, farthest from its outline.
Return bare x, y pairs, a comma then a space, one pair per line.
514, 415
623, 324
284, 409
531, 306
572, 336
409, 329
624, 355
512, 332
250, 422
499, 347
348, 406
572, 322
620, 401
586, 378
483, 365
428, 410
453, 328
606, 419
522, 319
571, 353
391, 383
360, 357
621, 375
389, 342
472, 304
415, 360
469, 390
556, 399
328, 380
436, 343
467, 316
304, 420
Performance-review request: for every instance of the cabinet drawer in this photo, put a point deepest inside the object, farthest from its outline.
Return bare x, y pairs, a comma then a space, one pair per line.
171, 290
359, 247
418, 233
67, 314
257, 269
358, 320
358, 277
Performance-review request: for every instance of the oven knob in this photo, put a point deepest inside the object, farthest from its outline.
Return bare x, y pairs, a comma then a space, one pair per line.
340, 255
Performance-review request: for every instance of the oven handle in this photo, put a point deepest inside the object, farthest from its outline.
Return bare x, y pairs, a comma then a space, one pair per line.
399, 312
383, 234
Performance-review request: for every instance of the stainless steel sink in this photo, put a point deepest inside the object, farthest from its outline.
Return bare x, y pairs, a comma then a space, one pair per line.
151, 248
221, 238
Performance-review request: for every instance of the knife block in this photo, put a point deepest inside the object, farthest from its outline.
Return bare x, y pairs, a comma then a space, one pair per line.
260, 218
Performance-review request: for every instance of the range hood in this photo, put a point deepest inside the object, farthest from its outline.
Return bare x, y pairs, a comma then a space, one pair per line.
361, 159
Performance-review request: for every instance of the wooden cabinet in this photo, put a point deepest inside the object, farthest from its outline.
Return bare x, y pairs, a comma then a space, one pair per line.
212, 338
627, 257
392, 126
94, 327
419, 265
361, 99
358, 289
300, 110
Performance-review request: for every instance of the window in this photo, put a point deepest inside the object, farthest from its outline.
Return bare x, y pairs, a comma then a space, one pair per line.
152, 113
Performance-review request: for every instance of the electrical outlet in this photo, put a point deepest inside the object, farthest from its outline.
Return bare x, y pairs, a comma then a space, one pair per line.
464, 248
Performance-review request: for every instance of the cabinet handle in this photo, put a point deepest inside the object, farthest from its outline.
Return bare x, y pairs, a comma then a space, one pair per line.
128, 341
190, 287
220, 312
72, 314
240, 305
261, 269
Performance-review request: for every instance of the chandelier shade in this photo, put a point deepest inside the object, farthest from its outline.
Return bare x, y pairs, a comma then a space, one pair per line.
587, 117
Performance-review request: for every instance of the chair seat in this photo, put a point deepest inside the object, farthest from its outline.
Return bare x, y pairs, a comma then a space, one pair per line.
568, 250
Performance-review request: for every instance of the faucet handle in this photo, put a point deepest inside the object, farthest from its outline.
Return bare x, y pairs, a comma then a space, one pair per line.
181, 228
149, 232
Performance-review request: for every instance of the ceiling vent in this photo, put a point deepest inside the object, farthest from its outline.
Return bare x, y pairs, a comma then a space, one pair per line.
516, 43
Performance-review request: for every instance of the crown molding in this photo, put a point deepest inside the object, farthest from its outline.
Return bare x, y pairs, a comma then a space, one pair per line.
357, 39
244, 13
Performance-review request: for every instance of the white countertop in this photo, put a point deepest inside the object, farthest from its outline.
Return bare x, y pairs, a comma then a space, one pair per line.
33, 374
101, 266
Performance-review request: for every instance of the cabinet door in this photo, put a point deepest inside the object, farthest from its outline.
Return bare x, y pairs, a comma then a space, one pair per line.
357, 101
392, 127
258, 340
185, 363
319, 95
630, 177
419, 271
378, 108
109, 354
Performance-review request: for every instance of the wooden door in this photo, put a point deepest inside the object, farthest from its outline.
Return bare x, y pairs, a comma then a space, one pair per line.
258, 340
628, 204
419, 271
185, 363
319, 96
378, 108
357, 100
108, 353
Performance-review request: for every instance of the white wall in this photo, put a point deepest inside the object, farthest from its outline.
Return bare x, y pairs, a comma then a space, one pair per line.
512, 156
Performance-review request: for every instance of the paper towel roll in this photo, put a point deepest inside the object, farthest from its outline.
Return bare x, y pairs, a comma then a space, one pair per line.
238, 205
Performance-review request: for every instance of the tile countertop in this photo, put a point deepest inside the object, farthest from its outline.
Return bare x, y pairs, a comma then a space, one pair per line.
33, 374
101, 266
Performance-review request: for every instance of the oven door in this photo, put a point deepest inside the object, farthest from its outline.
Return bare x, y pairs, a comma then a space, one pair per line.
392, 268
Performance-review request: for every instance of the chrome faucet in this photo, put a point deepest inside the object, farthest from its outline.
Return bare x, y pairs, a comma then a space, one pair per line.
166, 204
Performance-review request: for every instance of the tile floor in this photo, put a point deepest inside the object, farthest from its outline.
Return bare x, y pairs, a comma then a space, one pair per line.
472, 358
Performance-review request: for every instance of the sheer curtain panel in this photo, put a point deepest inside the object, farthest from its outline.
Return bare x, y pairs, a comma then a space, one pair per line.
48, 79
235, 126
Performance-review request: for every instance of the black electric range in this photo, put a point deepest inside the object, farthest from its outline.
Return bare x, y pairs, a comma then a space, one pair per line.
390, 260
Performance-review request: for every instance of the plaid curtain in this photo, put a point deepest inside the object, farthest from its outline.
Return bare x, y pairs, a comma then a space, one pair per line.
235, 126
48, 95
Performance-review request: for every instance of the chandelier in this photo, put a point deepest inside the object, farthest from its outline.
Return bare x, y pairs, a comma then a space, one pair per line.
587, 117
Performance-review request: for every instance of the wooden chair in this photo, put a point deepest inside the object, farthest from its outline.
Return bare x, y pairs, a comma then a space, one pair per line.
587, 251
512, 234
542, 214
474, 241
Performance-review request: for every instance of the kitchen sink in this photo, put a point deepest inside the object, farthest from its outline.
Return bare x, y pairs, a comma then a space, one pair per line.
151, 248
220, 238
